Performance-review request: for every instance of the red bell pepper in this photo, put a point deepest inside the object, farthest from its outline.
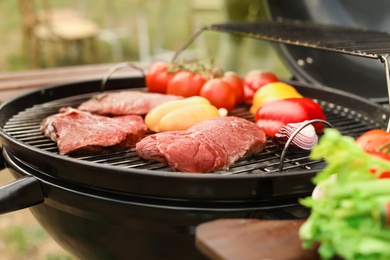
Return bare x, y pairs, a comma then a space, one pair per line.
275, 114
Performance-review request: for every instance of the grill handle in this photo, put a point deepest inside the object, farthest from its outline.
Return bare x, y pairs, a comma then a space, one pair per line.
22, 193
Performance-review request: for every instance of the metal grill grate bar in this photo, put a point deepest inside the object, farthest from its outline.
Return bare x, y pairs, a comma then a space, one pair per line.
345, 120
358, 42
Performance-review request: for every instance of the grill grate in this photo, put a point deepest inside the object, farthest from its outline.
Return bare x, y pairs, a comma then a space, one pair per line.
359, 42
24, 127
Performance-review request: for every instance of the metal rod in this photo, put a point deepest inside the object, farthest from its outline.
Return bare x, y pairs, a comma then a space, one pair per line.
287, 144
385, 60
117, 67
188, 43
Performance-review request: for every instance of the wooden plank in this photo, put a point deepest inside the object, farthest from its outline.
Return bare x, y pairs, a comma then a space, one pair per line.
250, 239
16, 83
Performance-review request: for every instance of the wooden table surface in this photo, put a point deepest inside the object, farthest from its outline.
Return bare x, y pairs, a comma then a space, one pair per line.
252, 239
14, 83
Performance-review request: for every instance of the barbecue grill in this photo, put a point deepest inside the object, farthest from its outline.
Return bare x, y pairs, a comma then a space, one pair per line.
119, 206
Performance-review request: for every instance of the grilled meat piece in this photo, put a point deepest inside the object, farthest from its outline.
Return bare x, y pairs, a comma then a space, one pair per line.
79, 132
208, 146
125, 103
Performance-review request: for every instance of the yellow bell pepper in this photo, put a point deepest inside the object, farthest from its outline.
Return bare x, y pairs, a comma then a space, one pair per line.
272, 91
185, 117
180, 114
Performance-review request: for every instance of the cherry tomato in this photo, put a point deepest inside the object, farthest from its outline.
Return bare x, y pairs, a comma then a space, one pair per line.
186, 84
236, 83
219, 93
254, 80
376, 140
158, 76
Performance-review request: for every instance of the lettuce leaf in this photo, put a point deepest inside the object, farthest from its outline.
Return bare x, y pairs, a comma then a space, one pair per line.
349, 217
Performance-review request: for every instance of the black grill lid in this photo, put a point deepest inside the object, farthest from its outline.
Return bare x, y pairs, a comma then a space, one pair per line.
318, 46
358, 42
365, 77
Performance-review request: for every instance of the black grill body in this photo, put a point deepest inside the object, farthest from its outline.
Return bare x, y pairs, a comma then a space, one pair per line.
120, 197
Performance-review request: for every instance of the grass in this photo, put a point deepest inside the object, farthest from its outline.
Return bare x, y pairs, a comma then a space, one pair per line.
19, 238
22, 238
23, 241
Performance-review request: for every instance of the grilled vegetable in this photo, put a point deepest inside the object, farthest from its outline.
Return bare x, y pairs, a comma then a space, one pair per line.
376, 140
349, 218
186, 84
158, 76
236, 83
272, 91
303, 141
180, 114
219, 93
254, 80
185, 117
275, 114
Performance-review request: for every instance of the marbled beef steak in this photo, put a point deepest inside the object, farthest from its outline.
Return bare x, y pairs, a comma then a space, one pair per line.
80, 132
208, 146
125, 103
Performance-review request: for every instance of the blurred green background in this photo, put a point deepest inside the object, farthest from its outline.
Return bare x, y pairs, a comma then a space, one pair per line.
149, 30
131, 30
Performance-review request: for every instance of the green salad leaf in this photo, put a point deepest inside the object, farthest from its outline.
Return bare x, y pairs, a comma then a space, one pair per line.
349, 218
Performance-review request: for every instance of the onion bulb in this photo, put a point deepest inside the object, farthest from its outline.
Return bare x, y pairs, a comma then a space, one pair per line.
303, 141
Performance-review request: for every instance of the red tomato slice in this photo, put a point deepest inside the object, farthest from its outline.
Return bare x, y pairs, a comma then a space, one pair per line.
376, 140
384, 156
376, 143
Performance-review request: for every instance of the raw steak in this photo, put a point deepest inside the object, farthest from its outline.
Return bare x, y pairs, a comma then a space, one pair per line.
208, 146
125, 103
79, 132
